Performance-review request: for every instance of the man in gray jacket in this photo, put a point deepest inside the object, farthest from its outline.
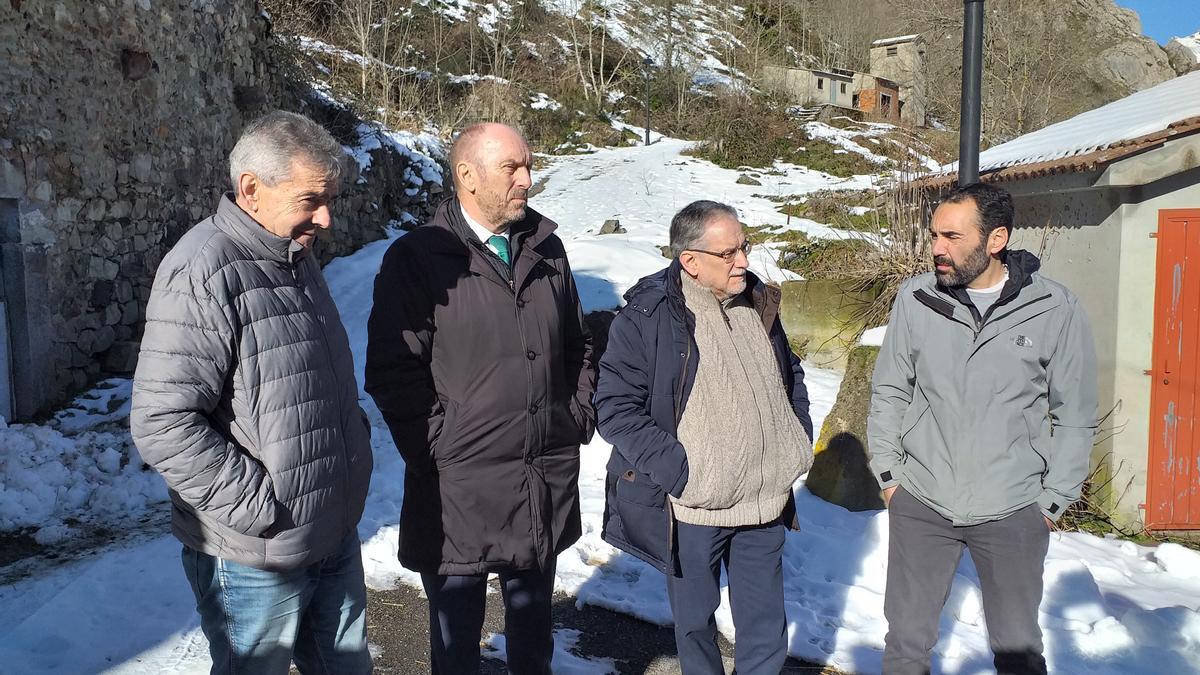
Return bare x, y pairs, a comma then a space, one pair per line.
245, 401
983, 410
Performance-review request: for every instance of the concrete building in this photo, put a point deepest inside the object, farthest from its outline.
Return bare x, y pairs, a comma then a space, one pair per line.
902, 61
1111, 199
893, 90
834, 87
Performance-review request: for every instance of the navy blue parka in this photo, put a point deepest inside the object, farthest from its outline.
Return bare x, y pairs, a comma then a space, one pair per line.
646, 375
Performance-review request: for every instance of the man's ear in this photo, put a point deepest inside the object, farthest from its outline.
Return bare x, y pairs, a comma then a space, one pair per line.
997, 240
248, 189
467, 177
690, 263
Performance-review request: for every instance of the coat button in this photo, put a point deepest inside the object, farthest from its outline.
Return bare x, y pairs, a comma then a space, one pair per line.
530, 355
533, 409
520, 303
529, 459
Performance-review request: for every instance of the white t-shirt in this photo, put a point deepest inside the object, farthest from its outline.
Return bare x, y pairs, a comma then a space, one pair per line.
984, 298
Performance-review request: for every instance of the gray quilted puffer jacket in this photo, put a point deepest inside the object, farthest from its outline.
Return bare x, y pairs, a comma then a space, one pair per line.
245, 398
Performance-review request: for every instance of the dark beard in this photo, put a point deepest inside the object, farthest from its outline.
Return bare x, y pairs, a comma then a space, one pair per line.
961, 275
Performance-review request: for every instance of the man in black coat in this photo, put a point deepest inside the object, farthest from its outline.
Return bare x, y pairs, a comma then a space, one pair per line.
480, 362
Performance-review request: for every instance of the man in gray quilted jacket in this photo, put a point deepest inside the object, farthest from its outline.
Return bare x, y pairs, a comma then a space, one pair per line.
245, 401
983, 410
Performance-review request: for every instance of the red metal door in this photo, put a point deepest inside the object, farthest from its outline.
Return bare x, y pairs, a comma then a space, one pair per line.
1173, 496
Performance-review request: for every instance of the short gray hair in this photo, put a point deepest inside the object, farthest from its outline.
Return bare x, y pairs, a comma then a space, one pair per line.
688, 226
270, 145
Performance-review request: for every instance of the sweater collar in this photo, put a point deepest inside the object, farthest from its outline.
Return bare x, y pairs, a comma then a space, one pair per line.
236, 223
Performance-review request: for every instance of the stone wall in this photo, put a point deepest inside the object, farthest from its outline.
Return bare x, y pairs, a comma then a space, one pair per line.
116, 118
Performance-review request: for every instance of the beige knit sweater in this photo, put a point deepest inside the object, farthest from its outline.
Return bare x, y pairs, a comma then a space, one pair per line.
744, 445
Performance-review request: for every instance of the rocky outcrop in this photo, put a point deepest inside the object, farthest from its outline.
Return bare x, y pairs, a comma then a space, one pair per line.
1184, 53
1124, 59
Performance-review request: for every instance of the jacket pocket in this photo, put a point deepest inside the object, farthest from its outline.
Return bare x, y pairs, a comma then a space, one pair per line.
641, 506
443, 446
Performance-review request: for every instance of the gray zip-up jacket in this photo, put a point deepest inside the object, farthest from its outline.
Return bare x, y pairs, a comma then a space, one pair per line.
245, 398
980, 416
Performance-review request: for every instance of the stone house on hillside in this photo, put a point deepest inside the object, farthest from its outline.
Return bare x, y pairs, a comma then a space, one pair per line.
1111, 198
893, 90
116, 119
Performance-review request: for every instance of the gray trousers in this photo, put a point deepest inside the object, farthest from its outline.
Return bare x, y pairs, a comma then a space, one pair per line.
923, 554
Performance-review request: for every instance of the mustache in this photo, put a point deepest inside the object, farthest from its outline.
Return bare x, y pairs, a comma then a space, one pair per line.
943, 260
520, 194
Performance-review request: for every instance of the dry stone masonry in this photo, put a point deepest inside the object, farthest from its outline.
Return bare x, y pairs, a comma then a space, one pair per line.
116, 118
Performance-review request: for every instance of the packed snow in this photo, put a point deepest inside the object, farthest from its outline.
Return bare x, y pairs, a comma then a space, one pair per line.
1110, 606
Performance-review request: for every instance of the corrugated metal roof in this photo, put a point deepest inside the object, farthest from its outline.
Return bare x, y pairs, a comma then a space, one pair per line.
894, 40
1138, 115
1075, 163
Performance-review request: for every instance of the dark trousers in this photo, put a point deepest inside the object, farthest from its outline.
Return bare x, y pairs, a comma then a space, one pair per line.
456, 608
923, 554
753, 559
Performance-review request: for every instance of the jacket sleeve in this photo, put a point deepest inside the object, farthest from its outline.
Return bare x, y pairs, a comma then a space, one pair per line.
579, 354
891, 394
1073, 401
799, 394
399, 350
188, 351
622, 409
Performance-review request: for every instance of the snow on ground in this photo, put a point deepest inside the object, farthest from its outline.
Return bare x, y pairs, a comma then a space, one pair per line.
1110, 606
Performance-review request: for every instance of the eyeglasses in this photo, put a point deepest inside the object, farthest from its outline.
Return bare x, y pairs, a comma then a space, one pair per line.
728, 256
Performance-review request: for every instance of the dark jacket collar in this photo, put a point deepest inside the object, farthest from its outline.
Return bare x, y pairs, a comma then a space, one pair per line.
238, 224
1021, 266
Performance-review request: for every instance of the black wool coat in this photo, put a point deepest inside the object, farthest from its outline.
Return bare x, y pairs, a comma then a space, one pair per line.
484, 375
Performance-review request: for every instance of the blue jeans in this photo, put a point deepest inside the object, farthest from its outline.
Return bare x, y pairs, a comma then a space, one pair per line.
258, 621
753, 558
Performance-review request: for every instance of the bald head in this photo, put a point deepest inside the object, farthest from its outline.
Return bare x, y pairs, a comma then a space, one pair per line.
490, 164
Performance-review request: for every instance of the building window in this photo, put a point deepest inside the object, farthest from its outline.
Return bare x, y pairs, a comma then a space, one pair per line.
892, 51
820, 83
843, 87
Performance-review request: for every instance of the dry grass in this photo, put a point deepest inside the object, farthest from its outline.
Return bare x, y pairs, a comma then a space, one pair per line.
880, 269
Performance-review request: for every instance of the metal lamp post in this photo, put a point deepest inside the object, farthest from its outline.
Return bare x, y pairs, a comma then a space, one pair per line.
646, 65
972, 78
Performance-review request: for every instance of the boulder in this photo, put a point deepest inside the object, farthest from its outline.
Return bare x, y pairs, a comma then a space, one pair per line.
612, 226
840, 472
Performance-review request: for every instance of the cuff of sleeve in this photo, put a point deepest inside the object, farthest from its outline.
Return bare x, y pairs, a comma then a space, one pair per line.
1052, 505
887, 478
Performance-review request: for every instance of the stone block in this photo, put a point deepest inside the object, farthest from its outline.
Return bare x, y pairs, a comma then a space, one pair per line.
112, 315
121, 358
105, 337
747, 180
120, 209
142, 168
102, 268
102, 293
67, 209
96, 209
124, 290
130, 313
840, 473
612, 226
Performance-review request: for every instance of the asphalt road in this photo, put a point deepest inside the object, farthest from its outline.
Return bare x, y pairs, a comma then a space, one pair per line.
398, 627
